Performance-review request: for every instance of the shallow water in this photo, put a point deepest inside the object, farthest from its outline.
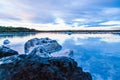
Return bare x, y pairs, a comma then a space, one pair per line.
97, 53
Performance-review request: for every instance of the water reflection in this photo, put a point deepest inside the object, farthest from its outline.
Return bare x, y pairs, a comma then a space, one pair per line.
13, 34
97, 53
100, 58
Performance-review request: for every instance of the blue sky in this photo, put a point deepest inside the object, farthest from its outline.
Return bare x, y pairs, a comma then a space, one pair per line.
60, 14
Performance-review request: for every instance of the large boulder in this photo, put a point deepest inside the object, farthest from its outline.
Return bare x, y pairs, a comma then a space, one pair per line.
5, 51
28, 67
42, 46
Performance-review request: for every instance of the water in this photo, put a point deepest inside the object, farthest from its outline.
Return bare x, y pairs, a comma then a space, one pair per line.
98, 54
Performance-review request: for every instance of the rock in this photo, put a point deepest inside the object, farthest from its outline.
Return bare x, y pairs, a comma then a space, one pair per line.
40, 51
31, 43
66, 52
28, 67
5, 42
5, 51
42, 46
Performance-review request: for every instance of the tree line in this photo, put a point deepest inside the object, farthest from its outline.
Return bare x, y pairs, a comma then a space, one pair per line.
16, 29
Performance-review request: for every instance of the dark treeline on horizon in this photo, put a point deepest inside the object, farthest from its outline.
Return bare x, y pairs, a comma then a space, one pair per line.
83, 31
80, 30
21, 29
16, 29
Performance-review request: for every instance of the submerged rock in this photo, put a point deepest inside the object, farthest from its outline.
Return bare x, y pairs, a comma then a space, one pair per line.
41, 47
5, 42
5, 51
28, 67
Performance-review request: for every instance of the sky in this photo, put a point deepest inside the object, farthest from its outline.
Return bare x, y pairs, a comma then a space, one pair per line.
60, 14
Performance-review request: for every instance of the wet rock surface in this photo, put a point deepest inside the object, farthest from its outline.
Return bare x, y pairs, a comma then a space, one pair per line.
27, 67
5, 42
42, 45
65, 52
5, 51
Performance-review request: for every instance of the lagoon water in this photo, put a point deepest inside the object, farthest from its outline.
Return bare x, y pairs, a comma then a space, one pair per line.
98, 54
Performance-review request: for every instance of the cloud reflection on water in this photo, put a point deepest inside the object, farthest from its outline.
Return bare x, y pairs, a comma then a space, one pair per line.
97, 53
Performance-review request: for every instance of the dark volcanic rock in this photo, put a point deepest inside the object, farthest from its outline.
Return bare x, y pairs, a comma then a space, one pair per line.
27, 67
5, 51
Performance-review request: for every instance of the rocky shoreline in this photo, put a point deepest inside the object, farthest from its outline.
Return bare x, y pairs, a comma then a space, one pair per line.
14, 66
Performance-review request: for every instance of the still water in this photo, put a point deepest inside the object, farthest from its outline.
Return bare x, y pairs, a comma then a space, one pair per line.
98, 54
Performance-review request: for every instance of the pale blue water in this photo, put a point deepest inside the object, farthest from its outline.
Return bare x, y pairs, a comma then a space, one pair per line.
98, 54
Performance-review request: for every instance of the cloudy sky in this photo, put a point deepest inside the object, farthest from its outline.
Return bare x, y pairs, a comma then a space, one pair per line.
60, 14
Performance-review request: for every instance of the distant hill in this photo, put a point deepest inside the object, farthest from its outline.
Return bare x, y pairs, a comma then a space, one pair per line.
16, 29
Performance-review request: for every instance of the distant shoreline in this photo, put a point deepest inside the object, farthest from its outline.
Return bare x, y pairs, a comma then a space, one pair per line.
79, 30
65, 32
27, 30
16, 29
83, 31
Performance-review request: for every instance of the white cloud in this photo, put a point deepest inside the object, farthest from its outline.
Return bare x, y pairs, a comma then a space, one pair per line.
77, 12
48, 26
15, 9
59, 21
111, 23
111, 11
79, 20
